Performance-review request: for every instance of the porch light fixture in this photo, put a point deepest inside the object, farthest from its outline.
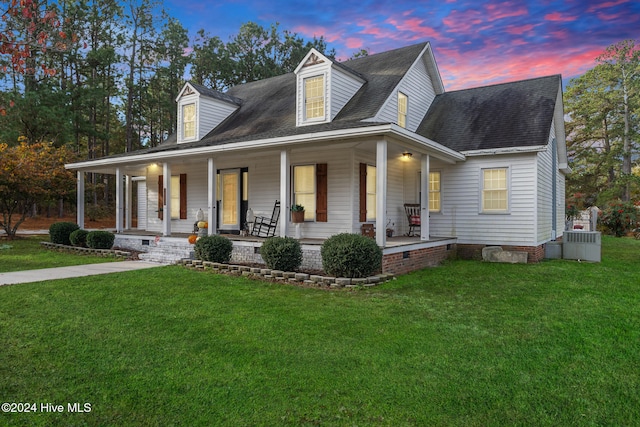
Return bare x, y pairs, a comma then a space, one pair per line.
407, 155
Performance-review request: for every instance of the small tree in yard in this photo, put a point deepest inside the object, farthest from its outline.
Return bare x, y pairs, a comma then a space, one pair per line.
31, 174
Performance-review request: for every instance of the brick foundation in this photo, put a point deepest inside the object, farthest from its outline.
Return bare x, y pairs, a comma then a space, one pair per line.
474, 252
417, 259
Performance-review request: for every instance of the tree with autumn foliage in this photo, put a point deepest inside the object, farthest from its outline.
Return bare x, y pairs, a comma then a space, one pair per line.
31, 174
29, 30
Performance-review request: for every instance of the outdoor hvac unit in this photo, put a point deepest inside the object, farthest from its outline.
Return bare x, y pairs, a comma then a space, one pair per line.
582, 245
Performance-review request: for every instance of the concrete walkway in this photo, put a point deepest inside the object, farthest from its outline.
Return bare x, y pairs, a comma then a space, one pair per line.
72, 271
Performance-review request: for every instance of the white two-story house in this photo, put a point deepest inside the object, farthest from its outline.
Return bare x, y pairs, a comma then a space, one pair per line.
353, 142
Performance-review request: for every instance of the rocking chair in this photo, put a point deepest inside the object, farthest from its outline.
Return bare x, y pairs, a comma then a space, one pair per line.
266, 227
413, 216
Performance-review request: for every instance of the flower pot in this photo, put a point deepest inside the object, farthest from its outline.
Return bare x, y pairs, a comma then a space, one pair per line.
297, 216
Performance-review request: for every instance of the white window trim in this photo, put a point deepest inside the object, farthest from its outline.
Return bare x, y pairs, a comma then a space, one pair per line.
481, 191
439, 211
325, 72
419, 189
323, 117
181, 120
375, 217
175, 197
406, 113
315, 189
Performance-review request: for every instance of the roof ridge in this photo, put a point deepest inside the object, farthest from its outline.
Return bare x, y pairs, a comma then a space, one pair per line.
559, 76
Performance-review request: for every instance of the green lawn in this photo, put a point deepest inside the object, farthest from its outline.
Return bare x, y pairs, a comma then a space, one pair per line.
25, 253
465, 344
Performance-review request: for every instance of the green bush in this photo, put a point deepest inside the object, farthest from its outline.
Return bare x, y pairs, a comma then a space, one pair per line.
59, 232
281, 253
100, 239
620, 217
350, 255
214, 248
79, 238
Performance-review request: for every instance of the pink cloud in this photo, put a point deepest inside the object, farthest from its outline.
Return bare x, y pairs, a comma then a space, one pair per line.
460, 71
353, 43
558, 17
520, 29
415, 26
330, 34
609, 16
463, 21
504, 10
605, 5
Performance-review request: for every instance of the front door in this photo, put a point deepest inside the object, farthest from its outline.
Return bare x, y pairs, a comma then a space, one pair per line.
230, 199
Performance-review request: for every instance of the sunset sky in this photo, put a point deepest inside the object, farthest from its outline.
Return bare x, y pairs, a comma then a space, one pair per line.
476, 42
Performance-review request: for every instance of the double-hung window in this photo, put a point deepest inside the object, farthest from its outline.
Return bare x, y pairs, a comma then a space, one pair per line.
495, 195
314, 98
189, 121
434, 192
304, 189
403, 104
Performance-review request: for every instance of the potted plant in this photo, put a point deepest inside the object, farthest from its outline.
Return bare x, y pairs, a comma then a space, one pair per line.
390, 228
297, 213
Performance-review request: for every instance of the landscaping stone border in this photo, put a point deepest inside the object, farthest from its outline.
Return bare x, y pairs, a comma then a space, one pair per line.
286, 276
88, 251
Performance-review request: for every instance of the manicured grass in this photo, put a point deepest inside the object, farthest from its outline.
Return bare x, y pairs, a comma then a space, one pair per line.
25, 253
466, 344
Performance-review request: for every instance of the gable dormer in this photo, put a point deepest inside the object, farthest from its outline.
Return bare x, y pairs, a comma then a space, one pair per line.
200, 110
323, 87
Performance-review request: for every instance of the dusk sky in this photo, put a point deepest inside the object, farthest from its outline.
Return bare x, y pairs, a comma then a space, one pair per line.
476, 42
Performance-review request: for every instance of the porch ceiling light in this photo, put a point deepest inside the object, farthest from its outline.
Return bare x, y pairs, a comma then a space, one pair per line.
407, 155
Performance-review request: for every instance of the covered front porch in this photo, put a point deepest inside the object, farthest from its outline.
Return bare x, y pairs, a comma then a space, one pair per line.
348, 184
401, 254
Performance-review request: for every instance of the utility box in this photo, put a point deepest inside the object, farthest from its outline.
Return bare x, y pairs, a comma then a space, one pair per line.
582, 245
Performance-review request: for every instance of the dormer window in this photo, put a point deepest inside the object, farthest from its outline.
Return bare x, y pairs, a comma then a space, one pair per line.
314, 98
323, 88
403, 103
189, 121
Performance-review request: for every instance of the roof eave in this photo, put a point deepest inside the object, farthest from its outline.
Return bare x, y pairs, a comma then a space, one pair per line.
383, 130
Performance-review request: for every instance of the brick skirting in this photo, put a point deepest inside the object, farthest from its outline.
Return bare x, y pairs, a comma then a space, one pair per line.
417, 259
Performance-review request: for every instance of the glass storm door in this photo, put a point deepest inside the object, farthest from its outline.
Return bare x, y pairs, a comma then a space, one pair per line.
230, 199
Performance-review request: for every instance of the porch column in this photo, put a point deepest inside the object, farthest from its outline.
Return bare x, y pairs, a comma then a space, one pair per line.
80, 199
424, 197
212, 213
128, 202
119, 200
166, 200
285, 195
381, 193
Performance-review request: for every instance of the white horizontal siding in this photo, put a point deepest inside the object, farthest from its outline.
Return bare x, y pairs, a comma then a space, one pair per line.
461, 203
418, 87
343, 87
211, 113
545, 191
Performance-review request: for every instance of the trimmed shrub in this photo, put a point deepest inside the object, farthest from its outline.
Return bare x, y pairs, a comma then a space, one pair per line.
100, 239
214, 248
59, 232
79, 238
350, 255
281, 253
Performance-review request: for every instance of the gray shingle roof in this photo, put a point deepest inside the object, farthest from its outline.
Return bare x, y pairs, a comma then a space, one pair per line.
205, 91
516, 114
268, 106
